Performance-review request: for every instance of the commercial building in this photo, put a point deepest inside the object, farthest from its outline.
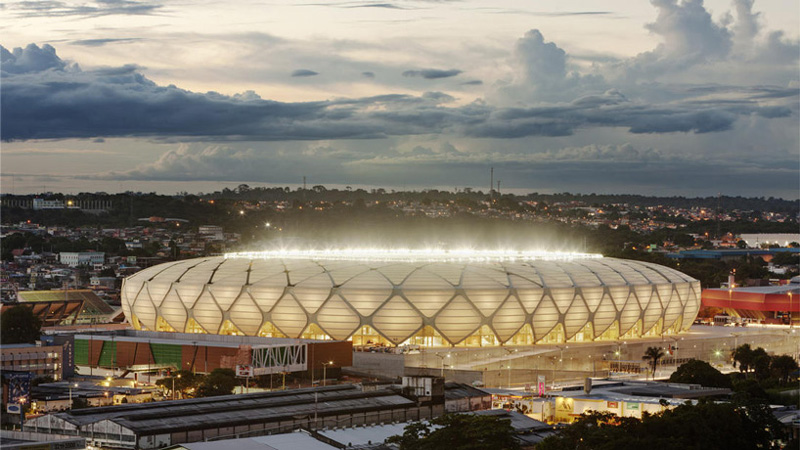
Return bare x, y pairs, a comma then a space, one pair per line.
414, 298
771, 304
781, 239
623, 398
75, 259
39, 360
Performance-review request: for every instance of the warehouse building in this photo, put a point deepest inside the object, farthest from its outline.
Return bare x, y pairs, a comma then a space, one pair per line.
156, 425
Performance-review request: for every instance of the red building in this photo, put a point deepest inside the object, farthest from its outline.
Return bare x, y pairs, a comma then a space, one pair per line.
769, 304
148, 351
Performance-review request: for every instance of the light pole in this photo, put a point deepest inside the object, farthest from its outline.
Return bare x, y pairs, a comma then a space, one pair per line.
173, 385
71, 385
509, 352
325, 371
442, 362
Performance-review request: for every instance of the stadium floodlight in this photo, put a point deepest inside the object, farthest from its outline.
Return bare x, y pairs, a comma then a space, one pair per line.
415, 255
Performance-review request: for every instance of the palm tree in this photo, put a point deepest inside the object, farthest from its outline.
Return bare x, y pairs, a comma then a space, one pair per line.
653, 354
744, 355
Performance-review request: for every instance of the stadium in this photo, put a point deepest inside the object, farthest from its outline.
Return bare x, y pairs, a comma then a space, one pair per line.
414, 298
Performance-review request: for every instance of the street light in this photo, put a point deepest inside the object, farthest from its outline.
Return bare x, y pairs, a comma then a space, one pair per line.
442, 360
325, 371
509, 352
71, 385
173, 385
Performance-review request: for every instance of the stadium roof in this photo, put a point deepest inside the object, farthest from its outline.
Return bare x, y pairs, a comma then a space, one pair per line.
92, 304
399, 298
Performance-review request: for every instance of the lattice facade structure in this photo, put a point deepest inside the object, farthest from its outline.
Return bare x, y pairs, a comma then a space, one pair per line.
418, 303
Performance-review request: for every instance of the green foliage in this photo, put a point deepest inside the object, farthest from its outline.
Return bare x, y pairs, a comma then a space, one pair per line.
700, 372
19, 326
42, 380
786, 258
743, 424
185, 381
761, 362
107, 272
743, 355
782, 367
79, 403
458, 432
749, 387
756, 360
218, 382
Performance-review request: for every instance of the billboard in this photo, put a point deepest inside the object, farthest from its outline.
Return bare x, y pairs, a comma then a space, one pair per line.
19, 386
243, 370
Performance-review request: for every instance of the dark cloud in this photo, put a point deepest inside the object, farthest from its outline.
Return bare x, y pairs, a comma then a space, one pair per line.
472, 83
610, 168
432, 74
304, 73
30, 60
46, 98
102, 42
368, 74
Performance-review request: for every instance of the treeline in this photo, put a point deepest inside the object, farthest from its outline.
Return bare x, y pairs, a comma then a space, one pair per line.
318, 193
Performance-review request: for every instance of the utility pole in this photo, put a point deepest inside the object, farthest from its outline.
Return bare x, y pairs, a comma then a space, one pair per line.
719, 213
491, 184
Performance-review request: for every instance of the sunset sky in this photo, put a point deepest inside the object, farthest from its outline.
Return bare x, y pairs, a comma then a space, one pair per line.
660, 98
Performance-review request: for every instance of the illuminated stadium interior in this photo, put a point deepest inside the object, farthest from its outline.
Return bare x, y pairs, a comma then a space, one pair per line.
414, 297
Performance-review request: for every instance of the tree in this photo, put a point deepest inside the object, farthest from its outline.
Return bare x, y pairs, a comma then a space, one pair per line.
782, 367
786, 259
218, 382
80, 403
185, 380
750, 388
653, 354
20, 326
707, 425
108, 272
700, 372
743, 355
761, 363
458, 432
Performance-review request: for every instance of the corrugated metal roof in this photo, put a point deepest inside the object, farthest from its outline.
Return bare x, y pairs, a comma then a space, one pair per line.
154, 418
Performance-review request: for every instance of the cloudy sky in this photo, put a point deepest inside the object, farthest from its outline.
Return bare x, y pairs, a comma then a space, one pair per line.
670, 97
